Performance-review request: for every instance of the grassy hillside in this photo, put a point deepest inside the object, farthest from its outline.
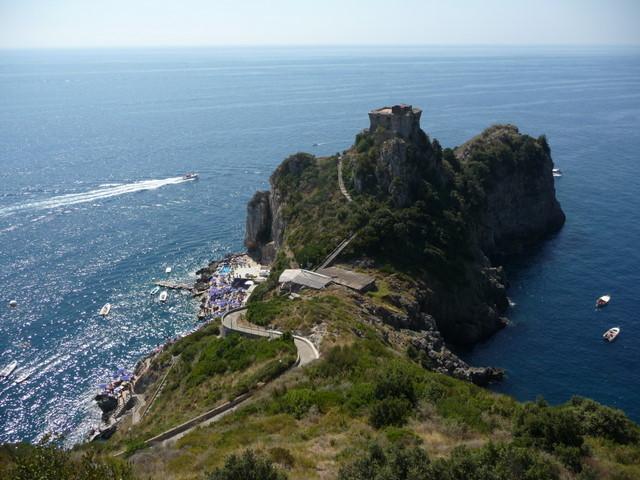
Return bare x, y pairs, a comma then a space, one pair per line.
364, 409
366, 402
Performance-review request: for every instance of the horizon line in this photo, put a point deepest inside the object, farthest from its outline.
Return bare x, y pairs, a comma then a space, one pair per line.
325, 45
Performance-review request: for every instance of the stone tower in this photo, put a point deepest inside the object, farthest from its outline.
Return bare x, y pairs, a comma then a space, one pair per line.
403, 120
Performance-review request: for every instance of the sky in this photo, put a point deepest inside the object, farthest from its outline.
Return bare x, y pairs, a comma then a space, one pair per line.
137, 23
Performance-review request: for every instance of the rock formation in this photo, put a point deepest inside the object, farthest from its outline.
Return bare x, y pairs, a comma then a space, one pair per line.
453, 210
521, 205
265, 225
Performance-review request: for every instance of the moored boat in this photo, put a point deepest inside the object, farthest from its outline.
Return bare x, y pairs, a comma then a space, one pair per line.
8, 370
603, 301
167, 270
155, 290
611, 334
106, 308
556, 172
163, 296
24, 376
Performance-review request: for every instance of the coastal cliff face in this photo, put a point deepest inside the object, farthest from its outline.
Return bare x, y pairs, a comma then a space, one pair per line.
520, 206
436, 214
265, 224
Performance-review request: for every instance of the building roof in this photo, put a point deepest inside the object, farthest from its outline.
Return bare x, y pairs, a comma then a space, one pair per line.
304, 278
348, 278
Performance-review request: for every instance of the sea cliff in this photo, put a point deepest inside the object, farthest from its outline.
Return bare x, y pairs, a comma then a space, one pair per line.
444, 217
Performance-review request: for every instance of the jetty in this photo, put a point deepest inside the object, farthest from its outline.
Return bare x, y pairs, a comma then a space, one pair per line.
174, 285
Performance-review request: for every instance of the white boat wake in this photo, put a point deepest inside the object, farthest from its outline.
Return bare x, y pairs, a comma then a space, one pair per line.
91, 196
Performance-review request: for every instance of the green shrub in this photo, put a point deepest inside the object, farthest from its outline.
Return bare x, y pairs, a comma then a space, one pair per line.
247, 466
263, 313
394, 463
49, 461
492, 462
390, 411
396, 382
545, 427
599, 421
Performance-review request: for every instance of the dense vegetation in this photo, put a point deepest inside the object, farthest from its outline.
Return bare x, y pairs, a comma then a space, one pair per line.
49, 461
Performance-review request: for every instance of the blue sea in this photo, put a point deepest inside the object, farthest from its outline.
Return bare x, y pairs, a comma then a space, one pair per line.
93, 144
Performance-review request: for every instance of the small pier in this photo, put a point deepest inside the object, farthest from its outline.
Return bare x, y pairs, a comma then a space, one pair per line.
174, 285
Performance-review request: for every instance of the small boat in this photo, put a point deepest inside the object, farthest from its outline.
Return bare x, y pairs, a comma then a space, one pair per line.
556, 172
603, 301
23, 376
155, 290
13, 304
104, 311
163, 296
611, 334
190, 176
8, 370
167, 270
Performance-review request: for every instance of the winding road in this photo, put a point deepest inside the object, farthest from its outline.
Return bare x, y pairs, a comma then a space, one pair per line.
231, 322
307, 352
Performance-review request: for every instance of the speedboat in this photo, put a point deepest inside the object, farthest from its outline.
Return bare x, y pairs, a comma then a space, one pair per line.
155, 290
104, 311
167, 270
163, 296
23, 376
611, 334
556, 172
8, 370
603, 301
190, 176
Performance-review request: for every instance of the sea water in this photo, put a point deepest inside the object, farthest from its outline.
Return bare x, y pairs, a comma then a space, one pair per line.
93, 144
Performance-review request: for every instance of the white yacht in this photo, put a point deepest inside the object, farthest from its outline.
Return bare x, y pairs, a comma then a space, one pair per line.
8, 370
603, 301
611, 334
106, 308
24, 376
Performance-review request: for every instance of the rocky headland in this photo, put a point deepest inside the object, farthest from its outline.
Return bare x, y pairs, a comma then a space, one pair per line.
440, 218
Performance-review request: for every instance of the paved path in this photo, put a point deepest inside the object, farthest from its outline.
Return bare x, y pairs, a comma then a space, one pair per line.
343, 189
231, 321
307, 352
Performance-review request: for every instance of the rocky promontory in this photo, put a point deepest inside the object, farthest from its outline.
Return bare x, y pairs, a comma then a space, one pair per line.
441, 216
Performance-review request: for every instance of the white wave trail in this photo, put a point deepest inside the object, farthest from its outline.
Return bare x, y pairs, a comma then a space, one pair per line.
91, 196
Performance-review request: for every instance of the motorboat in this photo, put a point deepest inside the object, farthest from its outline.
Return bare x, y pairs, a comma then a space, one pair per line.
603, 301
163, 296
104, 311
556, 172
155, 290
167, 270
13, 303
24, 376
8, 370
190, 176
611, 334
